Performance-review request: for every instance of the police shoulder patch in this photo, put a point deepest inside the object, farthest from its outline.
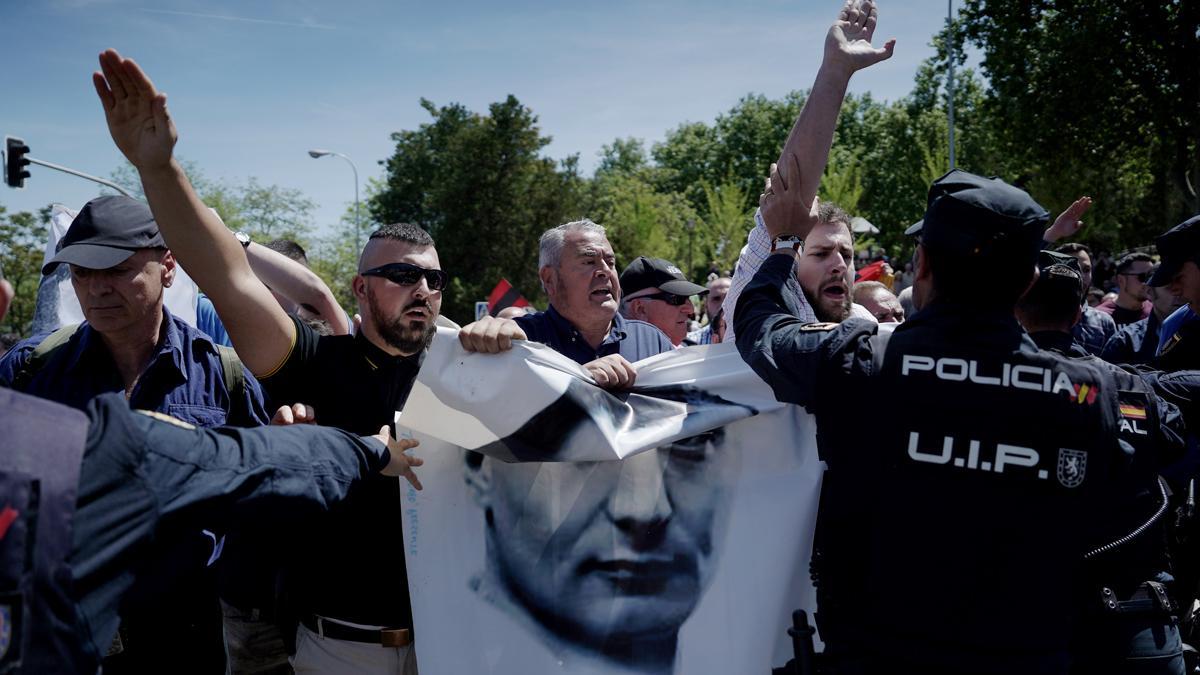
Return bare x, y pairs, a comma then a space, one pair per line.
815, 327
161, 417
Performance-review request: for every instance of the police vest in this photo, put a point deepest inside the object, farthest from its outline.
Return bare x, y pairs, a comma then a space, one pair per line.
39, 478
961, 494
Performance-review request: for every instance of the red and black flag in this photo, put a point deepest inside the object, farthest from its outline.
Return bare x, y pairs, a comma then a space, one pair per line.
503, 296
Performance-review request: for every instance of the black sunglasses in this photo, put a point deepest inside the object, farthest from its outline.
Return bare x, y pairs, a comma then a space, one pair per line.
1140, 276
669, 298
408, 275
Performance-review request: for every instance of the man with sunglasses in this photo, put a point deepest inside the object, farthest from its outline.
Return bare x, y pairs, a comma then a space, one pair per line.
657, 292
1131, 304
349, 622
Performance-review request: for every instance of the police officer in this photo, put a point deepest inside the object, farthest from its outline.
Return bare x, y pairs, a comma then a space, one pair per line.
948, 543
1179, 338
82, 495
1129, 617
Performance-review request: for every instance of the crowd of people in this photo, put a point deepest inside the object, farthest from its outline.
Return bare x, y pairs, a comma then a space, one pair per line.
1025, 506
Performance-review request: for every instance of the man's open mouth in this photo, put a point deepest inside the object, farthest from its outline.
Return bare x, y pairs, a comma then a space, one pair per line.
836, 290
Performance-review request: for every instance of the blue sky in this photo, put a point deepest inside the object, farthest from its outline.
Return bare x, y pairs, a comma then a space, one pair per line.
254, 84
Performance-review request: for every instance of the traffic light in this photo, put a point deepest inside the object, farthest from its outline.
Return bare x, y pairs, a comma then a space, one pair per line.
15, 161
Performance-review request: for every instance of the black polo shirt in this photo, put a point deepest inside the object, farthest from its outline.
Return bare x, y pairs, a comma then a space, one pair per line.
355, 386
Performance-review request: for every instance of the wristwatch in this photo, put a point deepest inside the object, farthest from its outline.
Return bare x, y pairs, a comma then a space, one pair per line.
789, 241
243, 239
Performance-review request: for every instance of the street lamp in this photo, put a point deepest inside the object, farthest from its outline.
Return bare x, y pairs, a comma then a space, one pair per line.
950, 78
317, 154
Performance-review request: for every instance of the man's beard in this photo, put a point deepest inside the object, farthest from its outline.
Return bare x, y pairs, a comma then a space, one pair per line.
826, 314
409, 336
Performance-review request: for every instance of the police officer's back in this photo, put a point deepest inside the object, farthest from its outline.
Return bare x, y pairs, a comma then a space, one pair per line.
948, 541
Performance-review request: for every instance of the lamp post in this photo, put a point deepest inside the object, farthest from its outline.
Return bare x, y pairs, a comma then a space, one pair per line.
950, 77
317, 154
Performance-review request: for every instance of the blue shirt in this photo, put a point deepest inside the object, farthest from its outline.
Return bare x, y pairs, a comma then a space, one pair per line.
209, 323
1135, 343
184, 378
634, 340
1173, 323
1094, 330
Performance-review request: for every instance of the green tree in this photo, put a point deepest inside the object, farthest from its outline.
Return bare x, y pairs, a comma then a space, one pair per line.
1097, 97
727, 220
264, 212
22, 247
481, 187
739, 147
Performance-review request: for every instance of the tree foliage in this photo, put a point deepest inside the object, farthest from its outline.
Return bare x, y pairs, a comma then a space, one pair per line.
22, 248
265, 212
479, 184
1097, 97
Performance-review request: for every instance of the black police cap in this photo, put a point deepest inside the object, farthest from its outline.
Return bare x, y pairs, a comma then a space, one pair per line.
981, 217
1175, 247
1061, 273
107, 231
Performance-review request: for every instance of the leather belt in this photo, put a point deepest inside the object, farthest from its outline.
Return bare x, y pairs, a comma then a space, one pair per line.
386, 637
1150, 596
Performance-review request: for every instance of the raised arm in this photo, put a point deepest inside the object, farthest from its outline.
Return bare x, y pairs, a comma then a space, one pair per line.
298, 284
847, 50
137, 116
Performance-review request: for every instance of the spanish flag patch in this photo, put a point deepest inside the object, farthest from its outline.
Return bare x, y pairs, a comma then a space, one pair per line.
1133, 412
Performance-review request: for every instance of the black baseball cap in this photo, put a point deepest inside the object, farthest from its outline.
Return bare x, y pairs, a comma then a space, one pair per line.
1175, 247
981, 218
107, 231
645, 273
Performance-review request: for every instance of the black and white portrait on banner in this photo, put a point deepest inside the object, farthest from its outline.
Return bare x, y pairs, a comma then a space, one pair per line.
676, 542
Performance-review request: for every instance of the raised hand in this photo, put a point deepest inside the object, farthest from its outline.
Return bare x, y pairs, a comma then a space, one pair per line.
784, 210
848, 43
1068, 222
136, 112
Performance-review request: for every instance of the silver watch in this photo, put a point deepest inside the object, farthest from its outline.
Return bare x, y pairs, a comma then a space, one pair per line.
788, 241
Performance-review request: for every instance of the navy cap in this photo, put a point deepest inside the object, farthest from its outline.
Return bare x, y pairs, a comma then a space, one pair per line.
1175, 247
982, 218
1061, 272
645, 273
107, 231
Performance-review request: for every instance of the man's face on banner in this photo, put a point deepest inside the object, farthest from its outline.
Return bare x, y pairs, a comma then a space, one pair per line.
603, 552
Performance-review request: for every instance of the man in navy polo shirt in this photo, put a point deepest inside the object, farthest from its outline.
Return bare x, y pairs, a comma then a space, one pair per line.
579, 274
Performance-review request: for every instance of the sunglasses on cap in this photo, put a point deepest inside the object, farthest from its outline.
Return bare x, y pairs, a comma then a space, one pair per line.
405, 274
1140, 276
669, 298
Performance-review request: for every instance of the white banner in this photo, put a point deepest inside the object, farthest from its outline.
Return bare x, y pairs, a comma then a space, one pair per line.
671, 533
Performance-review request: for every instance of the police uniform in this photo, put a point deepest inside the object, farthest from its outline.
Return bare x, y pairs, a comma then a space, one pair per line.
1179, 341
950, 542
83, 495
1128, 618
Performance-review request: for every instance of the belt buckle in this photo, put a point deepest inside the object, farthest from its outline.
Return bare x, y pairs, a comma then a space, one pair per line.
395, 638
